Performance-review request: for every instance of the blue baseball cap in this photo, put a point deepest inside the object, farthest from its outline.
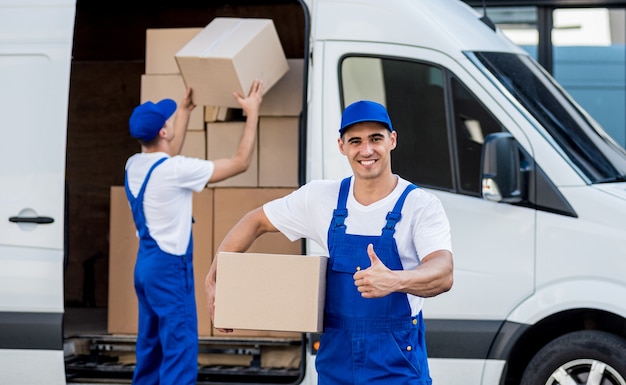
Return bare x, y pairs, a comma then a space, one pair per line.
364, 111
148, 118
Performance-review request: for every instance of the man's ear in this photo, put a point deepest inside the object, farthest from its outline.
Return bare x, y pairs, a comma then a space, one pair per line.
393, 135
340, 144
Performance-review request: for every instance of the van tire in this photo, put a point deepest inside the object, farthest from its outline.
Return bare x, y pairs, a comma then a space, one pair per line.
572, 356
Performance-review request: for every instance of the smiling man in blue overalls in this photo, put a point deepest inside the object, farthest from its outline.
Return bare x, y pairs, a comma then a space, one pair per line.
389, 246
159, 186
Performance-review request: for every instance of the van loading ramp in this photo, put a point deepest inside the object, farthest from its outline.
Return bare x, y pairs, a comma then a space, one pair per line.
109, 359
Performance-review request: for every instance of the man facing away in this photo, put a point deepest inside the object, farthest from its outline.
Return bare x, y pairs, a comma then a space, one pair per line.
389, 247
159, 185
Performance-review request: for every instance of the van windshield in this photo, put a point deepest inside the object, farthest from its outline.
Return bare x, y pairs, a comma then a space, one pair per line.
578, 137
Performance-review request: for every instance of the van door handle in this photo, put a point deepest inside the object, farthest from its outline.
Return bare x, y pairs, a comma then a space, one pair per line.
38, 220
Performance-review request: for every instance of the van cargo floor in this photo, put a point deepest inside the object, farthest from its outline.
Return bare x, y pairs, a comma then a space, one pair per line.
110, 359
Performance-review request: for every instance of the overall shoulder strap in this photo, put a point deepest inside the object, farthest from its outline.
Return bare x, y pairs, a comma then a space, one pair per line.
130, 196
340, 213
394, 215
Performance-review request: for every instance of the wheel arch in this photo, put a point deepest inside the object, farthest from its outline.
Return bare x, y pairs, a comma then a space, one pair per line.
552, 312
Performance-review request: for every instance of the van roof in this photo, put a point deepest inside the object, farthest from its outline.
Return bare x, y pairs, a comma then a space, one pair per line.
450, 26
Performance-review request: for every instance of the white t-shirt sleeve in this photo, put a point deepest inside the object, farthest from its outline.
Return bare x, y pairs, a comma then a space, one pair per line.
192, 173
432, 228
306, 212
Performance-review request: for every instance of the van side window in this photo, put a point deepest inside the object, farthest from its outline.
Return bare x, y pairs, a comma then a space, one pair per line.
472, 123
415, 96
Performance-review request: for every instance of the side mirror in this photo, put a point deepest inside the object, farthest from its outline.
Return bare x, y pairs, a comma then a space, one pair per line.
500, 169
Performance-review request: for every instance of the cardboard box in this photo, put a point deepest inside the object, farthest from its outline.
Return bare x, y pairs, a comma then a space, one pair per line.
161, 46
222, 141
211, 113
222, 114
203, 228
278, 151
285, 98
288, 296
194, 145
227, 56
123, 245
231, 204
122, 306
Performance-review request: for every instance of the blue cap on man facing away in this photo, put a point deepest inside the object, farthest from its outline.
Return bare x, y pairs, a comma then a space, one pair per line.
148, 118
364, 111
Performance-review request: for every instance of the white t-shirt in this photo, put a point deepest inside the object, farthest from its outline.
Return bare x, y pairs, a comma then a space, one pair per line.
168, 197
307, 213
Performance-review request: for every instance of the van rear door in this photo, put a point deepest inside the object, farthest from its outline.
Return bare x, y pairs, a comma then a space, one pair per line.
35, 56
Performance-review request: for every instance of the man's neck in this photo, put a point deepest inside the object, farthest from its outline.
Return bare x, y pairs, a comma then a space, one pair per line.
368, 191
160, 146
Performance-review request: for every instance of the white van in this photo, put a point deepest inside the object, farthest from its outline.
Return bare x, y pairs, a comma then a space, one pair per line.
535, 191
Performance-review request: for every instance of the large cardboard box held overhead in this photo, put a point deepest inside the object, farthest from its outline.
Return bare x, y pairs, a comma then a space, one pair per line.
288, 296
227, 56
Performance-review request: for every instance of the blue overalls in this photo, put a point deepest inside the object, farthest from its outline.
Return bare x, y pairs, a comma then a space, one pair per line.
167, 340
375, 340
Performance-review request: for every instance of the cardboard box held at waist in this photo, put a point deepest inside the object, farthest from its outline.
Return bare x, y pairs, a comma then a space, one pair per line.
227, 56
275, 292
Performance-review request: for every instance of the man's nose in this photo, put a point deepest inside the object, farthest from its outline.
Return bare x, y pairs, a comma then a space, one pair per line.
366, 149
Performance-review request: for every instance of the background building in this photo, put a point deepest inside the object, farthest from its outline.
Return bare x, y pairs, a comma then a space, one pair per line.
581, 43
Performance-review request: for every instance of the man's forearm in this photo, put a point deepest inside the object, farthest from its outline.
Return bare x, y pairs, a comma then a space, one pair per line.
248, 140
246, 231
181, 121
434, 276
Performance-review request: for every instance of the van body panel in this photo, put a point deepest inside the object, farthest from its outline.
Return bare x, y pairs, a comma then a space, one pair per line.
36, 22
35, 55
491, 274
593, 240
31, 280
616, 189
465, 371
573, 294
315, 143
32, 367
492, 372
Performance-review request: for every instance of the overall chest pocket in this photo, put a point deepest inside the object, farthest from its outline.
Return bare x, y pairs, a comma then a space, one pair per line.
350, 259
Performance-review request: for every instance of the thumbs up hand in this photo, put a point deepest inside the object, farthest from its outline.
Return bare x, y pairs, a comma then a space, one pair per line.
377, 280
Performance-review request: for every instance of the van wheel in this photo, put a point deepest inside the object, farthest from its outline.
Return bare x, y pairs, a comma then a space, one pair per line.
580, 358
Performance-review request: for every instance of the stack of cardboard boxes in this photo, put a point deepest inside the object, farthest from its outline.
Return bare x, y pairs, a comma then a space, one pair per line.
162, 79
214, 131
